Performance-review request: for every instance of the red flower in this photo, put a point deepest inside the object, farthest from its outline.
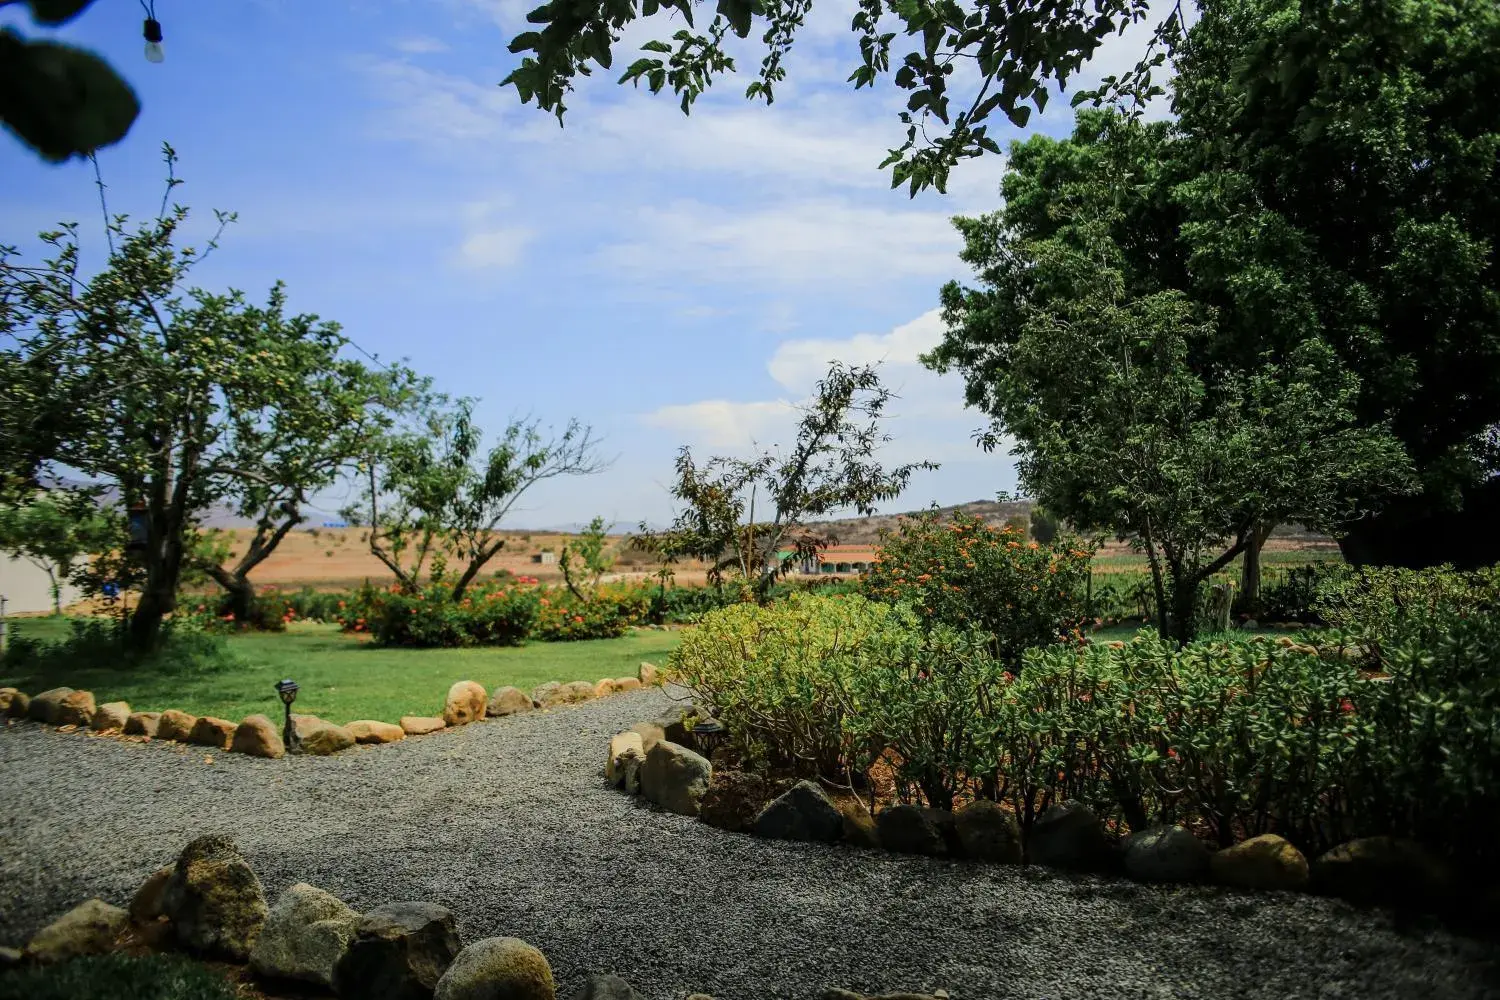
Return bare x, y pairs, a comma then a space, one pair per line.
1171, 752
1346, 706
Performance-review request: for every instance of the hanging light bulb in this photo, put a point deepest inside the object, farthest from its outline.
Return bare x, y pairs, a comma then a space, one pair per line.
154, 52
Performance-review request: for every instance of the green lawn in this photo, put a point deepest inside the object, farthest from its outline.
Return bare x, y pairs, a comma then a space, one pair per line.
341, 678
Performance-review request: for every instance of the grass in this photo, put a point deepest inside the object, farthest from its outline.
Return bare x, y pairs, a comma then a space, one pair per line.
118, 977
341, 678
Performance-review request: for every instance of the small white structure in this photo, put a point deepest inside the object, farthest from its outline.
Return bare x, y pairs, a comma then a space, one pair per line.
545, 558
25, 587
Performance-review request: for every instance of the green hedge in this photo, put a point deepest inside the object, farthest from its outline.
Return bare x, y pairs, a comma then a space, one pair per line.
1233, 736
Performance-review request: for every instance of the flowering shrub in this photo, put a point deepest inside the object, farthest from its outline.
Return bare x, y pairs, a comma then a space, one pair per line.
489, 614
964, 573
563, 618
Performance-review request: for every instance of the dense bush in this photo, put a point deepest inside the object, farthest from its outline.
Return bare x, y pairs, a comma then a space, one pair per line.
1231, 736
185, 650
779, 675
117, 977
1293, 593
490, 614
1382, 605
965, 573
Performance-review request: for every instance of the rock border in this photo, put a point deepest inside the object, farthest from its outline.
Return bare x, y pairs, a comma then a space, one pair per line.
656, 760
259, 735
210, 905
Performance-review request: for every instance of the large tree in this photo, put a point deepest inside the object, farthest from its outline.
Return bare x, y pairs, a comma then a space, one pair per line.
1120, 427
432, 492
175, 397
742, 513
1341, 168
1332, 174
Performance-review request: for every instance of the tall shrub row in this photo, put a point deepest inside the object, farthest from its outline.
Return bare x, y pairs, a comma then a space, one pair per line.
1231, 737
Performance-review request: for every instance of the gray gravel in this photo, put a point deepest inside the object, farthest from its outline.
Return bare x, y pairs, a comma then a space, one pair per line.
509, 823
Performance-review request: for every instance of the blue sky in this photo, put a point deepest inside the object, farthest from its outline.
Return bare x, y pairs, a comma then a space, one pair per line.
670, 280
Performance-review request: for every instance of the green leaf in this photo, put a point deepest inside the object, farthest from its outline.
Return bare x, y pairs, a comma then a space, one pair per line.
62, 101
55, 12
656, 45
1019, 115
526, 41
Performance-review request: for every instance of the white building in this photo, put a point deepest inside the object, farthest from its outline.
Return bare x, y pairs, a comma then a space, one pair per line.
26, 587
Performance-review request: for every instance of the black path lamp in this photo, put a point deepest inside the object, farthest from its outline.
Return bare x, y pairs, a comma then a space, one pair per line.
287, 689
708, 734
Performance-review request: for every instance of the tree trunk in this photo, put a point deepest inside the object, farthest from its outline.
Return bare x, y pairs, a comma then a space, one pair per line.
144, 635
1250, 571
1184, 624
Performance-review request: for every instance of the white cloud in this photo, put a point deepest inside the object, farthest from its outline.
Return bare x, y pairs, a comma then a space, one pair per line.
826, 242
421, 45
494, 248
718, 423
927, 420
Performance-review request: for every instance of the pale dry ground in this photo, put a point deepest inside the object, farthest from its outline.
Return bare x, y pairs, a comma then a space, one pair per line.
340, 559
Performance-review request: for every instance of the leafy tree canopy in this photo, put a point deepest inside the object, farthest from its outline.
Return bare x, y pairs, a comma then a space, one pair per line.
1016, 49
1331, 179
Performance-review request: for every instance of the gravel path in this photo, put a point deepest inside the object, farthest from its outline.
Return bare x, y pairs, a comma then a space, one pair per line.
509, 823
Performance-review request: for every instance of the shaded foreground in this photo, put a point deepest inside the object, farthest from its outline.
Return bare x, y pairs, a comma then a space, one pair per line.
508, 823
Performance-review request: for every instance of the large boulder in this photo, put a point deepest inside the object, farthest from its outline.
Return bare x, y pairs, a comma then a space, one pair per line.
399, 952
76, 709
499, 968
327, 739
623, 684
149, 901
1382, 870
7, 695
652, 733
606, 987
1260, 863
421, 725
1069, 835
508, 701
371, 731
619, 745
143, 724
214, 900
45, 707
19, 706
465, 703
733, 800
257, 736
110, 715
803, 812
986, 832
910, 829
90, 928
649, 675
675, 778
306, 935
576, 691
604, 688
211, 732
304, 724
175, 725
1165, 854
548, 695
